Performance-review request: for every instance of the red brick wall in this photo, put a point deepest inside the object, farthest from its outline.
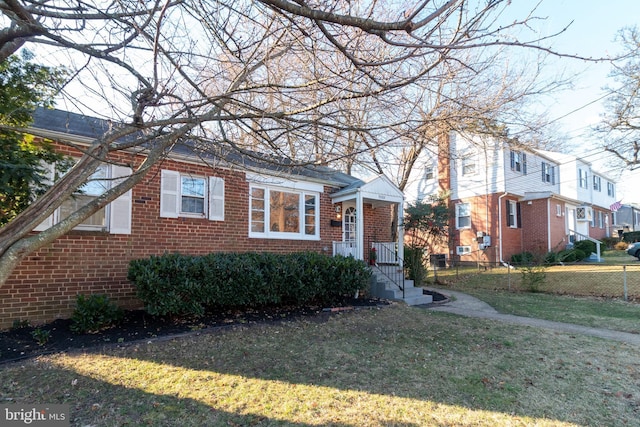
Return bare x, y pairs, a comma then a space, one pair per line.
44, 286
557, 226
535, 220
597, 232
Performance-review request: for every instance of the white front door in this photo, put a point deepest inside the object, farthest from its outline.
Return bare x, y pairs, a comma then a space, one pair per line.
349, 236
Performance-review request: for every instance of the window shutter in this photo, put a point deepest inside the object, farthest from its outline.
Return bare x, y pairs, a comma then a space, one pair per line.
518, 216
524, 164
513, 160
49, 171
508, 213
120, 217
216, 198
169, 194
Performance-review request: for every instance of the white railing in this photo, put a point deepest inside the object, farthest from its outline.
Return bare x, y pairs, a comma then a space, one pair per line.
577, 237
344, 248
386, 252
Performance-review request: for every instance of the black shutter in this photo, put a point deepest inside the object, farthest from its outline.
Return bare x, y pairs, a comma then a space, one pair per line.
518, 216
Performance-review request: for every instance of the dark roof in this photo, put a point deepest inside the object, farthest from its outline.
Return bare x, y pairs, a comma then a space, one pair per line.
66, 122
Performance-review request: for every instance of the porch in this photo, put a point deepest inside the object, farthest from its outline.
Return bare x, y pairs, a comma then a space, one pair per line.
388, 278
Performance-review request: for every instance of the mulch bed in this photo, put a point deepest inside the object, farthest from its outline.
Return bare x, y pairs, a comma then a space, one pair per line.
19, 342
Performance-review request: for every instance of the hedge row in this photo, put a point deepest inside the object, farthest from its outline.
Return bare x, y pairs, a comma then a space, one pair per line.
175, 284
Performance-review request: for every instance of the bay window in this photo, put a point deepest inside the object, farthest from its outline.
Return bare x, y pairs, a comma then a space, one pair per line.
282, 213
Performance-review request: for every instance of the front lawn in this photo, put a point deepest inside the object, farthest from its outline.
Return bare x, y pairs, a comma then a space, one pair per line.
372, 367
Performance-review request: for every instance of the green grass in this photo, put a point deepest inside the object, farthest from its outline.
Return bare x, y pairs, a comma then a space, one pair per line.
398, 365
594, 312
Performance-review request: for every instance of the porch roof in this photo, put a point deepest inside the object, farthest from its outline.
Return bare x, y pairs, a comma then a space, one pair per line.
378, 191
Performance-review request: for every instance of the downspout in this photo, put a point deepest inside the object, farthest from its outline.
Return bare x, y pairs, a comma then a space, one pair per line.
500, 228
549, 225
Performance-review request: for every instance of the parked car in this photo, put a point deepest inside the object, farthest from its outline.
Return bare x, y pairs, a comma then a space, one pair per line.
634, 249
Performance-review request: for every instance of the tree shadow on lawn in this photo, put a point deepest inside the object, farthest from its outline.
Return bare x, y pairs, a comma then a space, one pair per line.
97, 403
408, 359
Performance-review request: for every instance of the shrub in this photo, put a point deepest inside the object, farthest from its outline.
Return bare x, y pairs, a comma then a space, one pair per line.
533, 276
631, 236
586, 246
610, 242
414, 265
93, 313
621, 246
522, 258
41, 336
552, 258
571, 255
175, 284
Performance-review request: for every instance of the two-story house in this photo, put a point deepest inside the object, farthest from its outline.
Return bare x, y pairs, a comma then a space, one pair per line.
506, 200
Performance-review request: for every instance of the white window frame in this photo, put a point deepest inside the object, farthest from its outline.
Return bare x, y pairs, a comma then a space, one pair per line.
459, 207
512, 214
597, 183
117, 213
519, 162
469, 165
548, 173
171, 196
582, 178
611, 190
600, 219
302, 194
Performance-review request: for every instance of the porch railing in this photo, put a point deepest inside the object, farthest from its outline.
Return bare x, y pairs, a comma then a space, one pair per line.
388, 263
344, 248
386, 252
574, 236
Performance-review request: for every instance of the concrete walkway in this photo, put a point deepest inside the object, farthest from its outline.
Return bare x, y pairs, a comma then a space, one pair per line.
466, 305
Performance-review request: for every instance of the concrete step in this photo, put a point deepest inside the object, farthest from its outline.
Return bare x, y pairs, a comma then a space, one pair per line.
383, 287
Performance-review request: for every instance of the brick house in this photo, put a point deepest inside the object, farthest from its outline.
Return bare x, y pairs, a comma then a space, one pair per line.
192, 205
507, 200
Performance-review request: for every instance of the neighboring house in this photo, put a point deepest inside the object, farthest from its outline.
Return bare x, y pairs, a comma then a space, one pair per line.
506, 200
626, 218
191, 204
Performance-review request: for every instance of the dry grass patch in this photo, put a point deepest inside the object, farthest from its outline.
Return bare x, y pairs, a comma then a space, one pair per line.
392, 366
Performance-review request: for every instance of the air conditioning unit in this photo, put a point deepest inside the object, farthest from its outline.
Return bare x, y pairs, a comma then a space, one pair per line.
584, 213
463, 250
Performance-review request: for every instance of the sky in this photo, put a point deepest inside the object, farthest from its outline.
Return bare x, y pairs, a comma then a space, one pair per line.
594, 25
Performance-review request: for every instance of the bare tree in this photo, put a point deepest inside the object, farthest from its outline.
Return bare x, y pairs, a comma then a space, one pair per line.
620, 126
221, 72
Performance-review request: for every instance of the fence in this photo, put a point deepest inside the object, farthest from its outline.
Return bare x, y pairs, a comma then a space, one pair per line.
608, 281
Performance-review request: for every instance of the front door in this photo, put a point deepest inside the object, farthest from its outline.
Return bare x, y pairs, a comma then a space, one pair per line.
349, 231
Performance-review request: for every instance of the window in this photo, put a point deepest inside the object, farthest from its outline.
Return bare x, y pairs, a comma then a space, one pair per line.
548, 173
463, 215
191, 196
469, 163
283, 213
600, 219
558, 210
610, 189
519, 162
513, 214
597, 183
115, 217
94, 187
428, 173
582, 178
